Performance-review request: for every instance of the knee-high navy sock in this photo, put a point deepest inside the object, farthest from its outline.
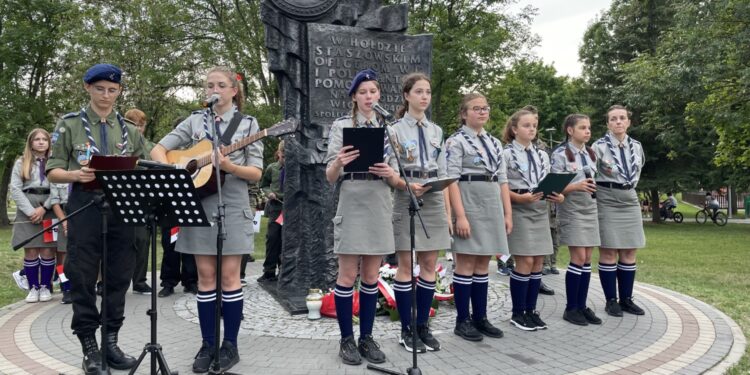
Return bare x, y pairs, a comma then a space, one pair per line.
583, 288
625, 279
425, 293
207, 314
231, 309
402, 290
479, 296
535, 280
343, 297
31, 266
47, 268
368, 299
462, 287
572, 284
519, 288
608, 277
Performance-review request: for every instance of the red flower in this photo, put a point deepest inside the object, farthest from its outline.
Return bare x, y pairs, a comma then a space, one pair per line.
239, 77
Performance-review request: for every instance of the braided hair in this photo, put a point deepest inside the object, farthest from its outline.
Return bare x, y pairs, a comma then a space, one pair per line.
570, 122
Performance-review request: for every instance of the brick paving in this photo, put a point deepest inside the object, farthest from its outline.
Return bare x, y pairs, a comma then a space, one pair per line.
678, 334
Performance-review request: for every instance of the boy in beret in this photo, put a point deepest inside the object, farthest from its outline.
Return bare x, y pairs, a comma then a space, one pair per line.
97, 129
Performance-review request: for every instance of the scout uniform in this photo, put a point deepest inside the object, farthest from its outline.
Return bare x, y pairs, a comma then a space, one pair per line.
59, 195
79, 135
476, 159
273, 182
620, 222
239, 216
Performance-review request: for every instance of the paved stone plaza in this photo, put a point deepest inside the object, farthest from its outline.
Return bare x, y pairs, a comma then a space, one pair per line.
678, 334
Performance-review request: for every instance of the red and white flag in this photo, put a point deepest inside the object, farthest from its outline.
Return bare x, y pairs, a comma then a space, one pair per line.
61, 273
50, 235
280, 219
173, 233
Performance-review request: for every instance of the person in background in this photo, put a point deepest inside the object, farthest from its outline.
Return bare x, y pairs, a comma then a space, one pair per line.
272, 184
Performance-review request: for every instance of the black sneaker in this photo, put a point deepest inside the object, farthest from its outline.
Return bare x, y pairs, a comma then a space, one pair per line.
67, 297
268, 277
228, 355
523, 322
544, 289
536, 319
348, 351
190, 288
430, 342
406, 341
370, 350
142, 289
166, 291
590, 316
553, 270
467, 331
202, 360
630, 307
576, 317
613, 308
486, 328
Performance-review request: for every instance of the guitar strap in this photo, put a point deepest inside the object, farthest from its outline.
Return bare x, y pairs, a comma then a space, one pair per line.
226, 138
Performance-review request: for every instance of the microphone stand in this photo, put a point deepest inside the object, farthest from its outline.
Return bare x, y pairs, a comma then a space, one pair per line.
414, 207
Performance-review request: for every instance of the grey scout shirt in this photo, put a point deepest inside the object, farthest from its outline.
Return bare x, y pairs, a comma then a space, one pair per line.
58, 194
18, 186
407, 139
611, 166
193, 130
463, 158
521, 173
336, 138
560, 163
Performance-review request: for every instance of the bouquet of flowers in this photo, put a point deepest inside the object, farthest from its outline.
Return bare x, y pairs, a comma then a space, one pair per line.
387, 302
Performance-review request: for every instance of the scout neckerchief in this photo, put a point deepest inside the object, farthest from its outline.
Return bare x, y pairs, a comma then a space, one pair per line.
206, 130
42, 165
386, 144
531, 165
491, 165
626, 171
103, 134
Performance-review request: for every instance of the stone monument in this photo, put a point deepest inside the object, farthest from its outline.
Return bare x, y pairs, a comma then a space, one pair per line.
315, 47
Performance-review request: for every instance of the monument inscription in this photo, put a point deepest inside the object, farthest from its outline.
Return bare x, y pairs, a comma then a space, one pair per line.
337, 53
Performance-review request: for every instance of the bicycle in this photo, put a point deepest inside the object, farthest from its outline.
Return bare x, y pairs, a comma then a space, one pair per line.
671, 214
720, 219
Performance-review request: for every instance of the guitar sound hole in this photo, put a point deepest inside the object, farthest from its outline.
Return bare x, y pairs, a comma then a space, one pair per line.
192, 166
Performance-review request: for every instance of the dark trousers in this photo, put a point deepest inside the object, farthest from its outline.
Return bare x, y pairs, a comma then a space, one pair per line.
141, 246
176, 267
82, 265
273, 247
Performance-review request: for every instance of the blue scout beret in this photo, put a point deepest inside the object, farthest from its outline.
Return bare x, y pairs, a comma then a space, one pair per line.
103, 72
362, 76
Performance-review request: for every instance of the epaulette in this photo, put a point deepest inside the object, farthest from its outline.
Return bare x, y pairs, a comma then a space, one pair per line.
129, 121
508, 146
635, 141
600, 141
560, 148
347, 117
198, 112
71, 115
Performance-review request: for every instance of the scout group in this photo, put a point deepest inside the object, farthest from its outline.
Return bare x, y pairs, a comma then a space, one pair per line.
491, 209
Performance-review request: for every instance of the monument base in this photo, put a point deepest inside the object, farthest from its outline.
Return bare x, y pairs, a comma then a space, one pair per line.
294, 304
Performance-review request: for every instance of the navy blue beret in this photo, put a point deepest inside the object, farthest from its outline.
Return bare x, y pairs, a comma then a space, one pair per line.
103, 72
362, 76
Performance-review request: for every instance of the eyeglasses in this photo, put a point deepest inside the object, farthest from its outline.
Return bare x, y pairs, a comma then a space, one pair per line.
481, 109
103, 90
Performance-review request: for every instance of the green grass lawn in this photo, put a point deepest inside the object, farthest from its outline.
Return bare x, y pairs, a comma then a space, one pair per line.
704, 261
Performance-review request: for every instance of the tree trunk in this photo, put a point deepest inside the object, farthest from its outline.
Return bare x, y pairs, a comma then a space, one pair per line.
6, 169
655, 215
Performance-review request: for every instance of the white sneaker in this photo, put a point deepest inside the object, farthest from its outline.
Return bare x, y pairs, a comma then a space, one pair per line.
33, 296
21, 280
44, 294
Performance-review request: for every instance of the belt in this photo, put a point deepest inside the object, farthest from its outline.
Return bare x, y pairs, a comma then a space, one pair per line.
615, 185
520, 191
366, 176
38, 191
420, 174
478, 177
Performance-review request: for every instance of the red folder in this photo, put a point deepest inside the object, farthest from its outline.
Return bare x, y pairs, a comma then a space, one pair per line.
109, 163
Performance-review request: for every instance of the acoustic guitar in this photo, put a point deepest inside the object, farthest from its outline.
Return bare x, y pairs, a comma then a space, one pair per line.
197, 159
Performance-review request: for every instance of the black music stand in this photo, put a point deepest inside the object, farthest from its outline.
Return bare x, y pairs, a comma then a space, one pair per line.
145, 198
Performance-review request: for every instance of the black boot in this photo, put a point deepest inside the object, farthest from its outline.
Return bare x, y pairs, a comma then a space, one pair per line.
115, 357
92, 357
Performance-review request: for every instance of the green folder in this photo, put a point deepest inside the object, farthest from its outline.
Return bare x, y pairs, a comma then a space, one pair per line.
554, 182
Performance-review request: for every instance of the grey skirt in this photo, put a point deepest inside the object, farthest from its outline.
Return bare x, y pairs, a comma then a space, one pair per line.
435, 220
578, 222
23, 228
531, 235
238, 223
620, 222
484, 210
363, 222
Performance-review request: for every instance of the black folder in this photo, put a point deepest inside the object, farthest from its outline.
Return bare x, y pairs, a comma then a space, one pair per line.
369, 142
554, 182
439, 185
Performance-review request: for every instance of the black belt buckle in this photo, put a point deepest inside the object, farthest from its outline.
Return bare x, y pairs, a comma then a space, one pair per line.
627, 186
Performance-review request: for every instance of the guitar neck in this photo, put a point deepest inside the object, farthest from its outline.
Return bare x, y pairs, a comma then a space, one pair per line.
226, 150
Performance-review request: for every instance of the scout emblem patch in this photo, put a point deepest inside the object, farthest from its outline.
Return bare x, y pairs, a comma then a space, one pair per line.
410, 147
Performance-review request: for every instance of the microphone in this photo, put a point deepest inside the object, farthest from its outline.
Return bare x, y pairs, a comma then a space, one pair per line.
382, 111
148, 164
210, 101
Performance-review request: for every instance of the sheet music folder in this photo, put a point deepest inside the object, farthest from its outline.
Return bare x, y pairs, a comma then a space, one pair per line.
554, 182
369, 142
109, 163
